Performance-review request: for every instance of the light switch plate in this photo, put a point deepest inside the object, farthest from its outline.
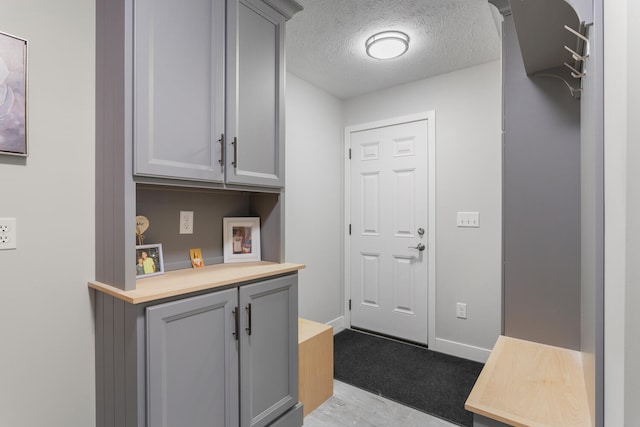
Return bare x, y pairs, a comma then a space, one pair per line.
468, 219
461, 310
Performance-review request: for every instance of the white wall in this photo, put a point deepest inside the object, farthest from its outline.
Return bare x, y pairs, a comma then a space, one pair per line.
46, 318
313, 198
622, 202
467, 105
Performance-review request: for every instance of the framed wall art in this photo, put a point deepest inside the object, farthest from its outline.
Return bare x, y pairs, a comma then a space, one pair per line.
241, 239
149, 260
13, 95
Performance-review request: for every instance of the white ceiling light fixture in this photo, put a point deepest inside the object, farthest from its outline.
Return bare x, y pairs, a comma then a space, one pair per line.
387, 44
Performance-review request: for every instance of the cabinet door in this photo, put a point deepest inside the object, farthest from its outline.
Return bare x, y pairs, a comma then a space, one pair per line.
268, 350
192, 362
179, 88
255, 94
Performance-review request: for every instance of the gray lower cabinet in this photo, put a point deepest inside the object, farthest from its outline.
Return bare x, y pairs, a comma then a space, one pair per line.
268, 351
225, 358
192, 362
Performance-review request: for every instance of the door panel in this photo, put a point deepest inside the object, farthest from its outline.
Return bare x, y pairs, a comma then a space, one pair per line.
192, 364
269, 350
389, 196
178, 109
255, 94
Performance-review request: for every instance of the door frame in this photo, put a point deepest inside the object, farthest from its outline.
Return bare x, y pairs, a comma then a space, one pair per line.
430, 117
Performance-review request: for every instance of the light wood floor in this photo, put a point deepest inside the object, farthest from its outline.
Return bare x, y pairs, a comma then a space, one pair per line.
351, 406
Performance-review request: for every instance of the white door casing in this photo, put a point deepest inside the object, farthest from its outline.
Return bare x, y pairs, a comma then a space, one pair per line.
390, 195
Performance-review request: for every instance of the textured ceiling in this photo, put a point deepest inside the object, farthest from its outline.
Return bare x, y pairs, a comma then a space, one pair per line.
325, 42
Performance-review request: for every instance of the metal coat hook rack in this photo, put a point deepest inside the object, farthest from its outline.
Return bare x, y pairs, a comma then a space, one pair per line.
578, 68
579, 56
575, 92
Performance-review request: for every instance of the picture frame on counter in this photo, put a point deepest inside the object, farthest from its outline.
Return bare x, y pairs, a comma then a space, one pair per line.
241, 237
196, 258
13, 95
149, 260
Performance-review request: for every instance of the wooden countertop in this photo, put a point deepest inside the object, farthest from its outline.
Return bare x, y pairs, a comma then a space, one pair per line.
529, 384
180, 282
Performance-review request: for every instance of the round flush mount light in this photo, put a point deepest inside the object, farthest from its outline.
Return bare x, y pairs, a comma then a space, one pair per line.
387, 44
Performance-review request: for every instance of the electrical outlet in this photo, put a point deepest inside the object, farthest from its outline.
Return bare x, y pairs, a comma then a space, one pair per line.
186, 222
461, 310
7, 233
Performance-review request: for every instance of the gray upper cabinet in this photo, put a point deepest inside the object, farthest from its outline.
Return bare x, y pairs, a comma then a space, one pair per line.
255, 94
204, 69
179, 89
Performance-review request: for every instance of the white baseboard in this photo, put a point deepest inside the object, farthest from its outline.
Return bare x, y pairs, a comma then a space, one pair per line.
465, 351
338, 324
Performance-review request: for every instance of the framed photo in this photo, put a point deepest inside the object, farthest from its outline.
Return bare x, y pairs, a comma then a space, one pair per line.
196, 257
149, 260
13, 95
241, 239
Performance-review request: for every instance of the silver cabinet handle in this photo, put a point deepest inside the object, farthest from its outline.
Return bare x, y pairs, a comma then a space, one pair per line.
221, 141
420, 247
235, 152
248, 308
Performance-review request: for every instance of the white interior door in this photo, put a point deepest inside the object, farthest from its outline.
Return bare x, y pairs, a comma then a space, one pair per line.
389, 259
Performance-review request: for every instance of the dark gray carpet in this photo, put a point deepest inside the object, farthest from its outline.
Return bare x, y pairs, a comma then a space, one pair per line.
432, 382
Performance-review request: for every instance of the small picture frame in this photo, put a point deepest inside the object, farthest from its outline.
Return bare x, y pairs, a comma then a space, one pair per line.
196, 257
13, 95
149, 260
241, 239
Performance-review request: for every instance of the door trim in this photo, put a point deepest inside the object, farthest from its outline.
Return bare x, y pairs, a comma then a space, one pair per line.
430, 117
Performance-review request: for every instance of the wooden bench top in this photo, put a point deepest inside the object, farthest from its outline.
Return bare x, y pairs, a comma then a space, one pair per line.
308, 329
529, 384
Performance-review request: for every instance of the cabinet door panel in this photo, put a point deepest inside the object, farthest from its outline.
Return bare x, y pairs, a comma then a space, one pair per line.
269, 356
255, 113
179, 98
192, 362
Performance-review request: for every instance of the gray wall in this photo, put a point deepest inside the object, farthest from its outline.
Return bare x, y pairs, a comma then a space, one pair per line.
622, 206
162, 207
314, 195
46, 316
632, 344
592, 223
468, 178
541, 204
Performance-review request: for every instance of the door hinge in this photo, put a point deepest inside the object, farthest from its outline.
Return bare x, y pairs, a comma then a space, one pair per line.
349, 305
349, 153
349, 229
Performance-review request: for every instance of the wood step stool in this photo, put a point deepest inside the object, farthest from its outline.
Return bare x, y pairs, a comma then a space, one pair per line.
315, 363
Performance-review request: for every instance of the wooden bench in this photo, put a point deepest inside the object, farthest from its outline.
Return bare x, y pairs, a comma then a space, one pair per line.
315, 363
529, 384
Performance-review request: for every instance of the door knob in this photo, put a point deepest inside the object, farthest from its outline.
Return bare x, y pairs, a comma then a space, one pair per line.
420, 247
